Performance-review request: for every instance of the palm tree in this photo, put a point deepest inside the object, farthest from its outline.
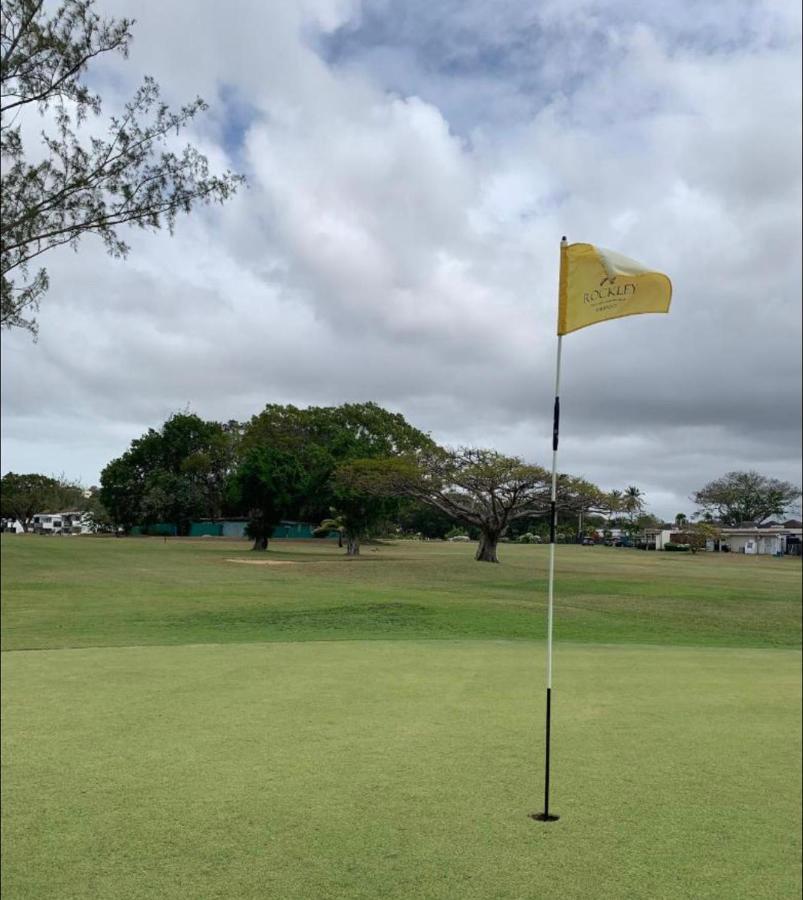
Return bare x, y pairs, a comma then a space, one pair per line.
615, 502
336, 523
681, 519
633, 501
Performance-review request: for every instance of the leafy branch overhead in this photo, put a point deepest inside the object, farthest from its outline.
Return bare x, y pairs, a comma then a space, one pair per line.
75, 184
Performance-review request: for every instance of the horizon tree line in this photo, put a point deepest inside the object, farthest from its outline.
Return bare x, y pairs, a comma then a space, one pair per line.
357, 469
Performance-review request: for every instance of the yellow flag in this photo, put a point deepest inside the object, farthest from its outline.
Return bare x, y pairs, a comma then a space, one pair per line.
597, 284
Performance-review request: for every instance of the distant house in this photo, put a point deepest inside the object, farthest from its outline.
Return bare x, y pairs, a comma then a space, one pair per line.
46, 523
71, 521
767, 539
657, 537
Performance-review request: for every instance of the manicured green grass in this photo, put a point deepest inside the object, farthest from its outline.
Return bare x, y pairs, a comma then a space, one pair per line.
180, 726
79, 592
400, 770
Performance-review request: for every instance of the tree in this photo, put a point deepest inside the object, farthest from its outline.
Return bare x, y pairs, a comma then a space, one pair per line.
417, 518
333, 523
122, 488
176, 474
632, 501
634, 526
746, 497
268, 483
359, 512
479, 488
323, 441
615, 502
697, 535
681, 519
74, 185
96, 512
23, 496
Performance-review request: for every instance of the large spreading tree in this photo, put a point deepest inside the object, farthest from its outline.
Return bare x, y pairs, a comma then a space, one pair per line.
479, 488
75, 183
747, 497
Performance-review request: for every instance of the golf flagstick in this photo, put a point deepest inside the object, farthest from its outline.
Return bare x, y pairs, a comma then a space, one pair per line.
595, 285
546, 816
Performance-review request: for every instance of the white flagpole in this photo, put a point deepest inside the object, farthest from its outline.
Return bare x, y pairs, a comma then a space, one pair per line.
546, 816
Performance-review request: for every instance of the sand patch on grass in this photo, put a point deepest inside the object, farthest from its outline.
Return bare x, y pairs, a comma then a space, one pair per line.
263, 562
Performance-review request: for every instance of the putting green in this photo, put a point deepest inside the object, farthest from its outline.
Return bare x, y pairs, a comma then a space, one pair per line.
400, 769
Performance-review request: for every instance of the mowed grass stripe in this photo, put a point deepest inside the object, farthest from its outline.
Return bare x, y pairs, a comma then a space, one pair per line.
399, 770
75, 592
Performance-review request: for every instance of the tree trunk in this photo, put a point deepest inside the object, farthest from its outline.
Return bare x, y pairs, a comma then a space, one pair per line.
486, 549
260, 543
352, 545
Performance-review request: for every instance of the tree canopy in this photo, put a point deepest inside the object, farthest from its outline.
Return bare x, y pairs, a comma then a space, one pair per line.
746, 497
282, 464
75, 184
480, 488
357, 467
268, 483
175, 474
324, 441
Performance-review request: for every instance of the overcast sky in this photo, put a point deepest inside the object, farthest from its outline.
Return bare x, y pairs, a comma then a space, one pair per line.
412, 167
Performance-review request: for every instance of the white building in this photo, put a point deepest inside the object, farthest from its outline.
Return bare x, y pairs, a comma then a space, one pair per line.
657, 538
761, 540
73, 521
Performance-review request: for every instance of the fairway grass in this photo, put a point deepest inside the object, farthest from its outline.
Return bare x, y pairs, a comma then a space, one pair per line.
400, 770
180, 723
85, 592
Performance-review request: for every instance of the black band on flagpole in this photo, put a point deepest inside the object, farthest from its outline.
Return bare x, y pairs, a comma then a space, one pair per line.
548, 736
555, 424
546, 816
